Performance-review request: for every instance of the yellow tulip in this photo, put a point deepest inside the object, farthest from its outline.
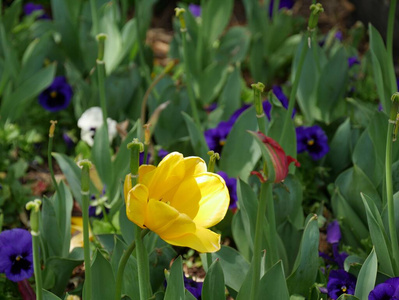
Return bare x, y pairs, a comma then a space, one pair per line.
179, 200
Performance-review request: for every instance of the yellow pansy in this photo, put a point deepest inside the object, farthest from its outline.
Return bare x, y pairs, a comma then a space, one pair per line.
179, 200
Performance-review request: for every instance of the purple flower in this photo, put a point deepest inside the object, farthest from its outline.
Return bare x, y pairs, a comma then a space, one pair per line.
68, 140
195, 9
353, 60
313, 140
162, 153
57, 96
333, 232
232, 187
387, 290
30, 7
278, 92
193, 287
338, 35
141, 158
216, 137
211, 107
16, 259
340, 282
283, 4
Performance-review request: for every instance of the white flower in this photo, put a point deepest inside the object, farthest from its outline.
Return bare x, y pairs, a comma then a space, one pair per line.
92, 119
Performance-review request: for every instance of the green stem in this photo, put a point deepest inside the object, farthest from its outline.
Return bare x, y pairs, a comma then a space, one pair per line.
389, 188
122, 265
271, 218
256, 259
37, 266
142, 266
260, 113
276, 4
94, 16
101, 78
390, 31
291, 103
50, 166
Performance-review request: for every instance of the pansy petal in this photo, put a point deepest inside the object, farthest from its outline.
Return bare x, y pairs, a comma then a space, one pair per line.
167, 221
202, 240
136, 204
214, 201
168, 174
194, 165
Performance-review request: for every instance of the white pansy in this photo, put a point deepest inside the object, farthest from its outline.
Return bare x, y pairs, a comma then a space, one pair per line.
92, 119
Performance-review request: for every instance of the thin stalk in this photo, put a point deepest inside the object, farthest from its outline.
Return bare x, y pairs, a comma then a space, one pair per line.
256, 259
50, 161
260, 113
142, 266
389, 188
390, 31
101, 78
37, 266
276, 4
94, 16
122, 265
294, 89
271, 218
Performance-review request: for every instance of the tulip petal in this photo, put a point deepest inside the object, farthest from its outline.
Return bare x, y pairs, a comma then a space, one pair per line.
202, 240
214, 201
127, 185
194, 165
136, 204
167, 175
166, 221
146, 172
186, 198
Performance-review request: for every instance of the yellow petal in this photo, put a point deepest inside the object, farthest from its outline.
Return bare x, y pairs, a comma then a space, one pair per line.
167, 175
166, 221
127, 185
202, 240
214, 201
136, 204
186, 197
194, 165
145, 173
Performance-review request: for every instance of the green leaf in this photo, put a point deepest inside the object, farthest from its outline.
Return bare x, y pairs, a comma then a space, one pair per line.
234, 266
175, 288
49, 296
240, 144
230, 96
379, 236
234, 45
211, 81
15, 103
307, 262
213, 288
159, 260
101, 156
103, 281
366, 278
196, 136
273, 285
347, 297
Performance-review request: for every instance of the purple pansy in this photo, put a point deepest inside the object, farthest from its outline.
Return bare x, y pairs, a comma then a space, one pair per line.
195, 9
313, 140
16, 259
30, 7
353, 60
57, 96
193, 287
68, 140
162, 153
232, 187
338, 35
283, 4
333, 232
141, 158
387, 290
340, 282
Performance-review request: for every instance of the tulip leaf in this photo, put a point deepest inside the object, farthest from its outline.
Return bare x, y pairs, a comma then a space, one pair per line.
348, 297
159, 260
103, 277
367, 275
230, 96
197, 138
234, 266
273, 284
175, 288
101, 156
240, 144
213, 288
128, 228
234, 45
378, 235
211, 81
306, 265
49, 296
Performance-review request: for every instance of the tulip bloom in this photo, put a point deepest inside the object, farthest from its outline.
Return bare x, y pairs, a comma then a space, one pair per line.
279, 162
179, 200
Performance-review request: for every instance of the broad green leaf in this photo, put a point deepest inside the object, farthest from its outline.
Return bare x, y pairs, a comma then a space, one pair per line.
103, 281
53, 238
240, 144
230, 96
159, 260
366, 278
213, 288
348, 297
379, 236
307, 262
273, 285
290, 236
196, 136
175, 288
49, 296
101, 156
234, 45
211, 81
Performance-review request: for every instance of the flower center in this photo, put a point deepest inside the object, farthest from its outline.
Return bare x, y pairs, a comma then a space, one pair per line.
344, 289
222, 142
18, 258
53, 94
311, 142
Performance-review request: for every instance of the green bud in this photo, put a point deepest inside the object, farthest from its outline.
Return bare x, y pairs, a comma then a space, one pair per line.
212, 160
180, 14
258, 89
315, 11
85, 179
101, 45
34, 207
394, 106
135, 148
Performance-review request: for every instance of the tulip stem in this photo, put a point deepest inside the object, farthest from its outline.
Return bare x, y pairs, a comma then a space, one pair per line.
142, 266
390, 30
266, 188
50, 161
101, 78
260, 113
122, 265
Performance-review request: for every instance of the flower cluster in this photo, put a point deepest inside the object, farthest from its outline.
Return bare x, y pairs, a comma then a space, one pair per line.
57, 96
16, 259
340, 282
386, 290
313, 140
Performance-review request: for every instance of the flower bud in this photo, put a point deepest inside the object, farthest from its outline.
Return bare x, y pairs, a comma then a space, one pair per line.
316, 10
